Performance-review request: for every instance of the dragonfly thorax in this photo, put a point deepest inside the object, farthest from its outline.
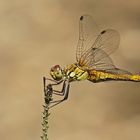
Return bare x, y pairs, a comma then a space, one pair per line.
75, 73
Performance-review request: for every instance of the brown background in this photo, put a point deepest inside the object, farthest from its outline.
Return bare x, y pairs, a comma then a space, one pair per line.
34, 35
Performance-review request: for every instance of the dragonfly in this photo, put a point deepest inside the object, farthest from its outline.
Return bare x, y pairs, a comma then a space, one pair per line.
93, 61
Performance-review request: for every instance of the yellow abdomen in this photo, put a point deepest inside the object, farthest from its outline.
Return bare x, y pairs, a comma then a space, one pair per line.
97, 76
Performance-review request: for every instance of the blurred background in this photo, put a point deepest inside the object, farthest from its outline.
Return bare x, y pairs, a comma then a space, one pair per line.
35, 35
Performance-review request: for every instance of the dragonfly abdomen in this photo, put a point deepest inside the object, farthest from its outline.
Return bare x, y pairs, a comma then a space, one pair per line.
135, 78
97, 76
122, 77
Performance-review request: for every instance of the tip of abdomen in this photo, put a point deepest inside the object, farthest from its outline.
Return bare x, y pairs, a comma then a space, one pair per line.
135, 78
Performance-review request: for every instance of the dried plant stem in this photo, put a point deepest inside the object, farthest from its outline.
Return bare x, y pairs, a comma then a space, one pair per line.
47, 97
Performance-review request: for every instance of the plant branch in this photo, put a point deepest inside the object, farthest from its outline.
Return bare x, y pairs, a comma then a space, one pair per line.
47, 98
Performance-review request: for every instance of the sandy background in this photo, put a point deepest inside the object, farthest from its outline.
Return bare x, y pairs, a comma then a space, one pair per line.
34, 35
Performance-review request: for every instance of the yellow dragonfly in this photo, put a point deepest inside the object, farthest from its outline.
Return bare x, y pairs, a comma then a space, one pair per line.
93, 60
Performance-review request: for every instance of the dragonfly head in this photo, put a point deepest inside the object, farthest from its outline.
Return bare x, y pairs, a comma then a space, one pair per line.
56, 72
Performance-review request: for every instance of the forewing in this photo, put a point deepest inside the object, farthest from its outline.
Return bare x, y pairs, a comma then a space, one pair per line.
88, 32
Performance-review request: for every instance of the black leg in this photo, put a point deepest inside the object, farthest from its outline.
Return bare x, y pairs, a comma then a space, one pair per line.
52, 80
44, 83
65, 93
49, 90
56, 103
56, 92
60, 93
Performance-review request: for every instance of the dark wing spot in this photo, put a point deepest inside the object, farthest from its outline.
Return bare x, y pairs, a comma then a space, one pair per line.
81, 18
103, 31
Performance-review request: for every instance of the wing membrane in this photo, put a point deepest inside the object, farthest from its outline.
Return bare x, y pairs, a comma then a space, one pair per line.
88, 32
118, 71
94, 48
108, 40
98, 59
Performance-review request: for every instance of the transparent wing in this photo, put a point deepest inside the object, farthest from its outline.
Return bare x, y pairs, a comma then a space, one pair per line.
94, 48
97, 59
100, 61
88, 32
108, 40
118, 71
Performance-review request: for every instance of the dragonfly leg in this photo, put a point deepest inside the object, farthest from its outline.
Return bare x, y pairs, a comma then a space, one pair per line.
49, 86
56, 103
56, 92
49, 90
60, 93
65, 93
52, 80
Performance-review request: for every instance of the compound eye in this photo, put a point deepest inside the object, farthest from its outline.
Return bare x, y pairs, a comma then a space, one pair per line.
57, 67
